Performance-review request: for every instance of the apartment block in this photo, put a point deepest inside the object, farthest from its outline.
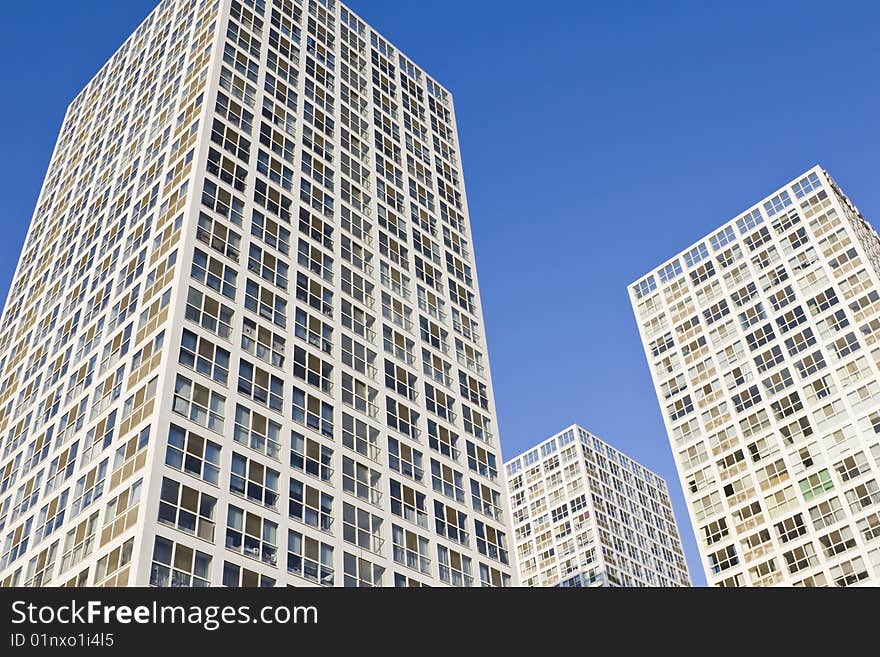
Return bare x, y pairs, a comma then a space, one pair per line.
243, 345
587, 515
762, 341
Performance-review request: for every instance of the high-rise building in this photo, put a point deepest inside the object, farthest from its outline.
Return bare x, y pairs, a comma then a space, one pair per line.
587, 515
244, 345
762, 342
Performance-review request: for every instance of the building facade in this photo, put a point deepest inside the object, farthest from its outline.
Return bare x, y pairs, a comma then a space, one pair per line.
243, 345
587, 515
762, 343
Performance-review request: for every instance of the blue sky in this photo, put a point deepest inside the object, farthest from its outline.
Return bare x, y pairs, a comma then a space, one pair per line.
598, 139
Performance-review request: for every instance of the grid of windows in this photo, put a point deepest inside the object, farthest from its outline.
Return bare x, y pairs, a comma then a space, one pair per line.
787, 458
581, 506
311, 248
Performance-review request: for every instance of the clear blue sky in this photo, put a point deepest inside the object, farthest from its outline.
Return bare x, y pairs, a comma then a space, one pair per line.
598, 139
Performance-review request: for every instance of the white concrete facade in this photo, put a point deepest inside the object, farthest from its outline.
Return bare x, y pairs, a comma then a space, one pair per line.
587, 515
762, 343
243, 345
